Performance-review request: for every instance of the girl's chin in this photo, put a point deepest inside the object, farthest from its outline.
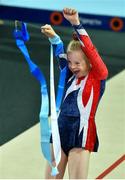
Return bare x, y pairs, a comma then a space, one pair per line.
78, 75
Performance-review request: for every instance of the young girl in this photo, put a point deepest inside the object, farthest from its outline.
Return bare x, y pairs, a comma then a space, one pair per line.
85, 84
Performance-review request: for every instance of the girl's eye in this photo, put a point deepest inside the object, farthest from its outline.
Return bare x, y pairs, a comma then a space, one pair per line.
77, 63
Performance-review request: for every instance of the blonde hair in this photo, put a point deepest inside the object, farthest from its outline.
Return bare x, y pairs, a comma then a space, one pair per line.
75, 45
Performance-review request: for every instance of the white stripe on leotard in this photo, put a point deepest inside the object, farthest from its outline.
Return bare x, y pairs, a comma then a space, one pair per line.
73, 86
84, 113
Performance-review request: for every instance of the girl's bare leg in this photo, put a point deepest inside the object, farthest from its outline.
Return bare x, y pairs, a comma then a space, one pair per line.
78, 163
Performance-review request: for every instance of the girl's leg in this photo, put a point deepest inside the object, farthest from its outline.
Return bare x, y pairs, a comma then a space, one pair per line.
61, 168
78, 163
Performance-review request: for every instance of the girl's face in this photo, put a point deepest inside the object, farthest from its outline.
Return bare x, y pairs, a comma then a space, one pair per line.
77, 63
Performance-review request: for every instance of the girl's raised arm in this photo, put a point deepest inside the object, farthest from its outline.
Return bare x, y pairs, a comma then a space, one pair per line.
99, 68
57, 44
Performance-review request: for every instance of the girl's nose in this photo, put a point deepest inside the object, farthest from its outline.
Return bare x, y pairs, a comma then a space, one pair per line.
73, 66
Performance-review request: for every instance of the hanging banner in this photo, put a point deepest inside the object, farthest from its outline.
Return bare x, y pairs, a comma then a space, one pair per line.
56, 18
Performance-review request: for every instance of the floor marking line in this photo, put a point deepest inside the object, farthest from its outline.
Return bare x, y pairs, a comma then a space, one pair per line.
110, 168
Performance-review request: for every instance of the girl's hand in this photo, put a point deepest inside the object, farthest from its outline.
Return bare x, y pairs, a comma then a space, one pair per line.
48, 31
71, 15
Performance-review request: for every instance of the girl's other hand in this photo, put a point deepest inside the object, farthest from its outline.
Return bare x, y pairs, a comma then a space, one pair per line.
48, 31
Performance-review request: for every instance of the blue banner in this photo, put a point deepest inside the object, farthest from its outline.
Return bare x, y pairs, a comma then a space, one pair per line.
56, 18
